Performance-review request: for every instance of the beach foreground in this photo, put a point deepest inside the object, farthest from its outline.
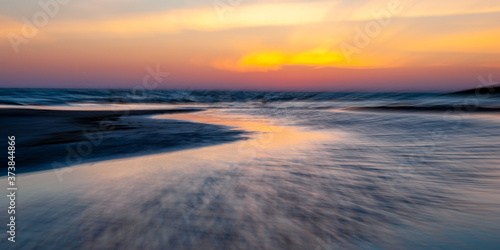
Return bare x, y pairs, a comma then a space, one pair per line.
298, 179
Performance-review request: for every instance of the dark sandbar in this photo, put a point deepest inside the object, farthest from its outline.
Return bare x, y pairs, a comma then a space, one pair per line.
47, 139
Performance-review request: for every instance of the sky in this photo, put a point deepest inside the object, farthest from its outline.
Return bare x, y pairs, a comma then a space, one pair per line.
342, 45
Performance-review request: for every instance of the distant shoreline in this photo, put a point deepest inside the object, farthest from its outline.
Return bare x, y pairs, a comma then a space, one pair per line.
492, 90
436, 108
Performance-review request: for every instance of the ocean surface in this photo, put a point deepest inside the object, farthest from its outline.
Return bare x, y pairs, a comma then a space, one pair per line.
233, 98
253, 170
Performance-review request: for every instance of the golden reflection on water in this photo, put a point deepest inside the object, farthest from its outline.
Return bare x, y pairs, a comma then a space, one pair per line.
268, 134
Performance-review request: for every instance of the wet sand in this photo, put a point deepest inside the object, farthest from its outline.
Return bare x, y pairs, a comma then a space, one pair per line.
58, 137
285, 187
183, 199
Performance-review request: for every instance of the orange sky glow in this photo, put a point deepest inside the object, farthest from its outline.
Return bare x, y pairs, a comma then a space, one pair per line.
400, 45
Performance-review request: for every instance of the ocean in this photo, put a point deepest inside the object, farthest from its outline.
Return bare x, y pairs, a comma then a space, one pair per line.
193, 169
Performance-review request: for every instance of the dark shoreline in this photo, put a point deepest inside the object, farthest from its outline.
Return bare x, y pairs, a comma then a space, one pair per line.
487, 90
439, 108
48, 139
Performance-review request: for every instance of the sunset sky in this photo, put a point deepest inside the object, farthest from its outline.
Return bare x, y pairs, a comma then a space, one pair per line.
406, 45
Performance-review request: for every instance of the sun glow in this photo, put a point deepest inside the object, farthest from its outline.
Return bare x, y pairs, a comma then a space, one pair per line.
275, 60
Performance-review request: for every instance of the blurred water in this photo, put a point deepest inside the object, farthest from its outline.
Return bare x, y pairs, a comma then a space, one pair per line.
241, 99
312, 175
